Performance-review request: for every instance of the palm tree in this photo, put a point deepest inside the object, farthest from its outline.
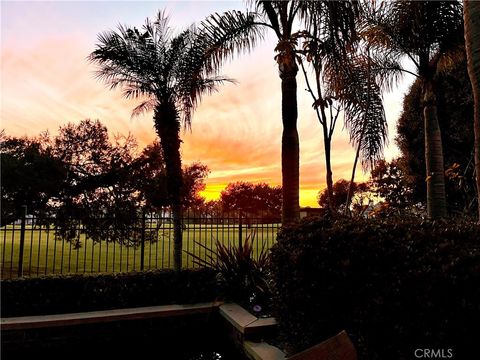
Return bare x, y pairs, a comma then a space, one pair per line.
343, 81
169, 74
365, 116
280, 17
471, 16
429, 34
353, 90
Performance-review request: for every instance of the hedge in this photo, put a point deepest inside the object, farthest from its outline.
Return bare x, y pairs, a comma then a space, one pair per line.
56, 294
394, 285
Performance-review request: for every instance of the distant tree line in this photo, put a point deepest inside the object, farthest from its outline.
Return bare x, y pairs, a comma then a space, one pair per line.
83, 173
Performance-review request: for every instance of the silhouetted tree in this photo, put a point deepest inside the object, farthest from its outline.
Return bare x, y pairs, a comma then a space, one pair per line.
150, 179
194, 182
209, 209
281, 16
252, 199
455, 107
388, 181
343, 80
430, 34
80, 175
340, 193
171, 72
30, 175
98, 191
90, 158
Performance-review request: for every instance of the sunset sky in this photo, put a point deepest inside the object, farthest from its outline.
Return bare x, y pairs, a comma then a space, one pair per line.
47, 82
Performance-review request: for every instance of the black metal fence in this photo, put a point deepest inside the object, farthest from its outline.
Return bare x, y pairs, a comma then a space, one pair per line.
38, 246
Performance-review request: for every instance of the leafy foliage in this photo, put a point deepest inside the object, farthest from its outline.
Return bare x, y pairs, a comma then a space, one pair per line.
30, 175
340, 192
390, 183
150, 62
81, 176
430, 35
455, 105
57, 294
237, 31
252, 199
393, 284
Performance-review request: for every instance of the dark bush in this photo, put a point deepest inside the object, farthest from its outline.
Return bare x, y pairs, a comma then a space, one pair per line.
57, 294
395, 285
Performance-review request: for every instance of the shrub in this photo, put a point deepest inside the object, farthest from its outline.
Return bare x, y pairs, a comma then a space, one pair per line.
56, 294
394, 284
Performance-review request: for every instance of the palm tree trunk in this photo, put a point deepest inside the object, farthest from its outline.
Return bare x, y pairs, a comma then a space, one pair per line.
290, 145
327, 145
435, 178
328, 167
471, 15
327, 136
167, 125
352, 177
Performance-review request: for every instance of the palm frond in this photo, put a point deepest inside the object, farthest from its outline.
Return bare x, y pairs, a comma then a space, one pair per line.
161, 28
419, 29
151, 63
190, 91
386, 69
361, 98
226, 35
122, 61
148, 105
448, 60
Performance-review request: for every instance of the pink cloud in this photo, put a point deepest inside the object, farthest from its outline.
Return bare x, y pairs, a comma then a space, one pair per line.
236, 132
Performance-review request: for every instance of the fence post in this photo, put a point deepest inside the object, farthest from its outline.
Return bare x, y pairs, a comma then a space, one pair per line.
142, 248
22, 240
240, 229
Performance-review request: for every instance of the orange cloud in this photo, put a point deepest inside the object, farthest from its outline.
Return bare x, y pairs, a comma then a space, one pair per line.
236, 132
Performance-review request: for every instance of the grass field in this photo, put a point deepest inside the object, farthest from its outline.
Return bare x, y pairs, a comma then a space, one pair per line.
45, 253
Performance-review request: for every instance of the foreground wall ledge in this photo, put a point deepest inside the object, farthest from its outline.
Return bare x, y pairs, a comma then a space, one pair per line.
243, 321
249, 326
263, 351
104, 316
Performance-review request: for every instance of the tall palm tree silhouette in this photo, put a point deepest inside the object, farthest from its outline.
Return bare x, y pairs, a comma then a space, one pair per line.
345, 79
281, 16
169, 74
430, 35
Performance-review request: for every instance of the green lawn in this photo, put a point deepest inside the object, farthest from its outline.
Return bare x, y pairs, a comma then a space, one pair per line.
46, 254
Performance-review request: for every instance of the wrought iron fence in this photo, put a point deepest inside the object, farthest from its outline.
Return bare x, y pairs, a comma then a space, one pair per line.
39, 246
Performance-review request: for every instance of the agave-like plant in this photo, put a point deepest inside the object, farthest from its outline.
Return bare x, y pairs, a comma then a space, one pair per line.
242, 275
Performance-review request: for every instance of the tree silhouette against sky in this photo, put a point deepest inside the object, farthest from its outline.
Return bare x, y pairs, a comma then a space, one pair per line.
429, 34
335, 18
168, 74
